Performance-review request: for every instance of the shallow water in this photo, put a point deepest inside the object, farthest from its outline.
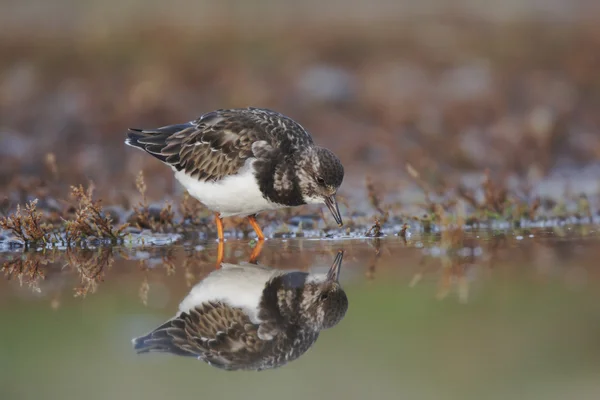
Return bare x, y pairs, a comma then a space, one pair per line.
506, 315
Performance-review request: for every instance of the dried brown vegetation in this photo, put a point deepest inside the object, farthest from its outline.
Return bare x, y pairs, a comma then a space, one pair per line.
375, 230
508, 97
91, 267
491, 201
28, 271
446, 258
83, 220
191, 210
89, 220
27, 224
145, 217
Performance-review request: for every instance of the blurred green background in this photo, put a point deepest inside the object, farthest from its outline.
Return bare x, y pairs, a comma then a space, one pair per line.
514, 341
519, 322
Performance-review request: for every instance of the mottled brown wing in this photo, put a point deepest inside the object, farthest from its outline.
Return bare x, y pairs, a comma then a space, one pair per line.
218, 143
221, 335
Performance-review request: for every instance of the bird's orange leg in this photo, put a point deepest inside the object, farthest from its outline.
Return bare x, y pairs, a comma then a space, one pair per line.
220, 246
256, 252
254, 224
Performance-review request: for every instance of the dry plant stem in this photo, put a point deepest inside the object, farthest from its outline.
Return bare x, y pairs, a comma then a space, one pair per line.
375, 230
370, 272
190, 209
373, 196
403, 231
142, 211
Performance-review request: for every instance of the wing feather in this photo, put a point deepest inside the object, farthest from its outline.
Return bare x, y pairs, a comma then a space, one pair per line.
213, 331
218, 143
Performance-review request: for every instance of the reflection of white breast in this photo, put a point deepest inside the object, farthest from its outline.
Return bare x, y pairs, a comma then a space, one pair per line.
236, 285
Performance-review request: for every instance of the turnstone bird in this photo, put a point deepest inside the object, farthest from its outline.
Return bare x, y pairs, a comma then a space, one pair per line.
244, 316
244, 161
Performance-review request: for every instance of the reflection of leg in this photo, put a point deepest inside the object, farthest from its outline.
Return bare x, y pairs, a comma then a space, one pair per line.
256, 251
219, 222
220, 253
220, 247
254, 224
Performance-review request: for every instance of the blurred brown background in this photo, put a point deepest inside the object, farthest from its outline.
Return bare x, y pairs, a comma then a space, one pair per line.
450, 87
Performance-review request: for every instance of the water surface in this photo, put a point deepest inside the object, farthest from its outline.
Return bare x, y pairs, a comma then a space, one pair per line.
495, 316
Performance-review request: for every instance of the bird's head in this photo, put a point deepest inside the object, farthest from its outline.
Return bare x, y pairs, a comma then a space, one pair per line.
324, 302
320, 175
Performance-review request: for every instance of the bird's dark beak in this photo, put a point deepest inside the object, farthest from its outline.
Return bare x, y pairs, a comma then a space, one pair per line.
334, 271
335, 210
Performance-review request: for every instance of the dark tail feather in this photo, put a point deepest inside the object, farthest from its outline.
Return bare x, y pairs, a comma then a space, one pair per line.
133, 138
161, 340
153, 141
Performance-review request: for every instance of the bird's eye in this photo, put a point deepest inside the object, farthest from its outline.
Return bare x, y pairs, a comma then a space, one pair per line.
323, 296
321, 181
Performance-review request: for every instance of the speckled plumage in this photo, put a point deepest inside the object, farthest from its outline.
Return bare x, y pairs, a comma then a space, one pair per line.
268, 331
272, 150
218, 143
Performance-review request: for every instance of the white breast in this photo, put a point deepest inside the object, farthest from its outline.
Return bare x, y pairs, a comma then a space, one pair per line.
235, 285
234, 195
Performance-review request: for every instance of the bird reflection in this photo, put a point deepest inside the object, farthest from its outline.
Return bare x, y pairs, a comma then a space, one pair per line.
250, 317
